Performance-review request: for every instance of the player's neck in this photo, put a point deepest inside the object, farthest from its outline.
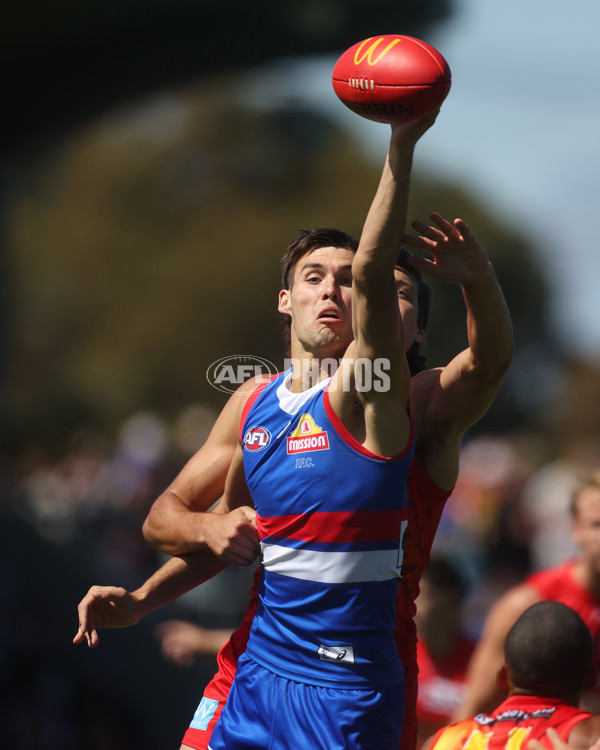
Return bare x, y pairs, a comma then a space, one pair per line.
310, 368
308, 371
587, 576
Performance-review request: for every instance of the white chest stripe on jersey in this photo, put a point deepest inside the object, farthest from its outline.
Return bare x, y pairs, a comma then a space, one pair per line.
332, 567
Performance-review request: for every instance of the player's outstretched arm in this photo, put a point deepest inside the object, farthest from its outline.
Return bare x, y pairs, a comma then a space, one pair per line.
233, 539
449, 400
115, 607
377, 321
375, 316
470, 381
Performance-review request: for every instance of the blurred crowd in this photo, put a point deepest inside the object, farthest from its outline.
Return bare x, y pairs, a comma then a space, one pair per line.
71, 521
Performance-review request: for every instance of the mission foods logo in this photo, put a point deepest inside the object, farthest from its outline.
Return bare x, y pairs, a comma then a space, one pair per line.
229, 373
307, 437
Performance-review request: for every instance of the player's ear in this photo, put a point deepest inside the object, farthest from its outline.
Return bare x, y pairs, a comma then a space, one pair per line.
502, 678
420, 336
284, 302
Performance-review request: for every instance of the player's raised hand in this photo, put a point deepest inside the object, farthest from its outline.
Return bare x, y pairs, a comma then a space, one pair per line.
104, 607
233, 536
457, 256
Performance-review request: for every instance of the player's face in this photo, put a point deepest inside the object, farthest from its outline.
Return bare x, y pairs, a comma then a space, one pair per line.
319, 301
407, 303
586, 526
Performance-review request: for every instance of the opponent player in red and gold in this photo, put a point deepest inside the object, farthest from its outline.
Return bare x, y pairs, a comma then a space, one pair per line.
548, 655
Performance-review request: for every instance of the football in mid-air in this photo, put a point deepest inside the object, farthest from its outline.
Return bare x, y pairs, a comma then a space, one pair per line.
391, 78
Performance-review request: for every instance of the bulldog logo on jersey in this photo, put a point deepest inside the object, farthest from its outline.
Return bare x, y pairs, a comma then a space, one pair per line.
307, 437
256, 438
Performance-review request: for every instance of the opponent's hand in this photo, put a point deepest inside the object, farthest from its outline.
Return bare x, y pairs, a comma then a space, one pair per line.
104, 607
233, 536
457, 256
181, 641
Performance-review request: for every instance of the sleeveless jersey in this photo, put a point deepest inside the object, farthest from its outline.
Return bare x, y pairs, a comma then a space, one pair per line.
559, 584
425, 505
426, 502
330, 517
516, 721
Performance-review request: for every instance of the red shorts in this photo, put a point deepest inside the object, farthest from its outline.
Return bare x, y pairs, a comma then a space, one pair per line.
207, 714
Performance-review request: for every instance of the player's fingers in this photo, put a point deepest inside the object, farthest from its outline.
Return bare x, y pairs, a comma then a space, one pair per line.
240, 557
430, 235
79, 636
250, 515
248, 535
86, 606
448, 228
463, 228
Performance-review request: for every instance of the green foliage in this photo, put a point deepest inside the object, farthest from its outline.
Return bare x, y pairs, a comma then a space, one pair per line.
148, 248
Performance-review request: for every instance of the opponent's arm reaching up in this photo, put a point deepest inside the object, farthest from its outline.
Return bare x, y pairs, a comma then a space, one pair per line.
445, 401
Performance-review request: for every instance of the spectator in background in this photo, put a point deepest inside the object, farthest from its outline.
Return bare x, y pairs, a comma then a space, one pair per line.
443, 649
575, 583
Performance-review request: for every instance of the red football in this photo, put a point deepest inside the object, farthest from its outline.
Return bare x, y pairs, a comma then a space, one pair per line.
391, 77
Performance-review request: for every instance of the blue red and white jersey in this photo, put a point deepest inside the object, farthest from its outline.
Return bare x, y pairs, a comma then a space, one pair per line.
331, 516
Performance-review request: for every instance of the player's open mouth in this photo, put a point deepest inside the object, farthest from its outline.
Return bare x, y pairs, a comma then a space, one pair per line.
329, 314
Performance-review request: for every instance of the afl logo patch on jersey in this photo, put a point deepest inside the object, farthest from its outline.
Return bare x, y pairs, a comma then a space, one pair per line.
256, 438
307, 437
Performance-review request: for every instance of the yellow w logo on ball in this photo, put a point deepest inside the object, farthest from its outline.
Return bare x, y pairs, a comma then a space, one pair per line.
359, 55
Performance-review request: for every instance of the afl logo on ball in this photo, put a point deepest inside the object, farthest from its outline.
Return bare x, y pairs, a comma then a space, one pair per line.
256, 438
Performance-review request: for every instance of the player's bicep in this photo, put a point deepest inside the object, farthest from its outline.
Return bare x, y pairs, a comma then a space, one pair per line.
236, 492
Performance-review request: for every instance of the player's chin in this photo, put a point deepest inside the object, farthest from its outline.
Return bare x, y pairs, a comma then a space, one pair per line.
335, 332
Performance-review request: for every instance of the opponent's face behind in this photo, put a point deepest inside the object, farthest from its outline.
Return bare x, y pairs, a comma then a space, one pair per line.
586, 526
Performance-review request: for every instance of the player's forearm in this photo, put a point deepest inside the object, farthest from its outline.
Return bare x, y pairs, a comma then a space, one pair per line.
489, 327
173, 528
386, 219
175, 578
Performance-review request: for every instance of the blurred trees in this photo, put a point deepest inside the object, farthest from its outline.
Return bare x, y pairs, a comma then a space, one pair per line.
67, 62
148, 247
145, 246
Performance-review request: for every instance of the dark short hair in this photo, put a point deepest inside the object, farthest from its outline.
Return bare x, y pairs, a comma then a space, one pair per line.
549, 650
309, 240
313, 239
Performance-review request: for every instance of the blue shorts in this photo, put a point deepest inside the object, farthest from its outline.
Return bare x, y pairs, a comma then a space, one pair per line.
270, 712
